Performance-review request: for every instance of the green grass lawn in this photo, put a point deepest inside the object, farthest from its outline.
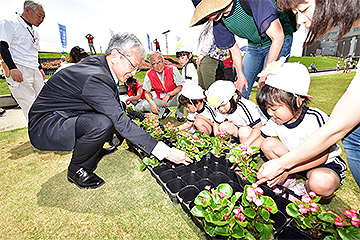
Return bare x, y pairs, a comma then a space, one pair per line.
37, 202
320, 62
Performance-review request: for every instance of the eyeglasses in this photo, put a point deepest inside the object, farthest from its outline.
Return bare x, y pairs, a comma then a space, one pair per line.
157, 63
136, 68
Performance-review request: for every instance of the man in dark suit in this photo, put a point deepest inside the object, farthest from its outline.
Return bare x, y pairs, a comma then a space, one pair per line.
80, 105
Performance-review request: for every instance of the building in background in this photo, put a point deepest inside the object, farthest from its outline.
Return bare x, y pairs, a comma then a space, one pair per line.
349, 44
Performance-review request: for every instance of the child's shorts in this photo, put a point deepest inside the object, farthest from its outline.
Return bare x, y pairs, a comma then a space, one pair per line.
338, 166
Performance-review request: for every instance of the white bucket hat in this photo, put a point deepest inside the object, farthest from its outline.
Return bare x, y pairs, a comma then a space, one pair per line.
291, 77
180, 47
220, 92
192, 92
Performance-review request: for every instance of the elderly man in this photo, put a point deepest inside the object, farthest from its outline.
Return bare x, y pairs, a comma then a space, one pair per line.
19, 45
166, 82
80, 105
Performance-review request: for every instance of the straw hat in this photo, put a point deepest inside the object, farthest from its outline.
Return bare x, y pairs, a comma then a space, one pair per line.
206, 7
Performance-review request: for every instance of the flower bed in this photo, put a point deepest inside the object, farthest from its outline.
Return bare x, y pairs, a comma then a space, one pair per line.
219, 201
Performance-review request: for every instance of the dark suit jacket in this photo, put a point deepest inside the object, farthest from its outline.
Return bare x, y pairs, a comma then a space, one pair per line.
85, 87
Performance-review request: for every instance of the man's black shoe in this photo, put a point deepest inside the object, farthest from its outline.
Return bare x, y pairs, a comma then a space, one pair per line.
85, 179
104, 152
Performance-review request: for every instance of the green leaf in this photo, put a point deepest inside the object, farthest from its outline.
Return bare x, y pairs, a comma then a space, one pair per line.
308, 223
199, 199
209, 228
267, 232
268, 202
249, 212
142, 167
222, 230
226, 189
235, 197
259, 227
265, 214
293, 210
249, 236
237, 232
328, 217
351, 233
199, 211
330, 237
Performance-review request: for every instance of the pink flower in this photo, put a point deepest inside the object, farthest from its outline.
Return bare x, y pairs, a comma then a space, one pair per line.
339, 224
313, 209
305, 198
250, 199
355, 223
353, 210
303, 210
302, 219
348, 213
259, 190
258, 201
208, 187
312, 194
313, 221
240, 216
203, 199
225, 218
237, 160
222, 195
250, 192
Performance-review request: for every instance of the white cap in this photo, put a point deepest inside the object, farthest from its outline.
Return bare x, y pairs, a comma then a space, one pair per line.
180, 47
220, 92
192, 91
292, 77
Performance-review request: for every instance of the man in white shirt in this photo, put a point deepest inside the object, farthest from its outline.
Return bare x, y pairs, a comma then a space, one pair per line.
19, 46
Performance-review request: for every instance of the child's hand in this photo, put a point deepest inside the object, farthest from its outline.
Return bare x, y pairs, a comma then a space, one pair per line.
278, 179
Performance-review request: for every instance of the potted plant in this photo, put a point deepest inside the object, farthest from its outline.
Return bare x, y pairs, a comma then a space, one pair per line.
170, 132
196, 145
220, 143
312, 217
243, 161
224, 215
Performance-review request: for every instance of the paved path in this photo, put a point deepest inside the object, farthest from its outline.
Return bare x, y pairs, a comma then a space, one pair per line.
14, 118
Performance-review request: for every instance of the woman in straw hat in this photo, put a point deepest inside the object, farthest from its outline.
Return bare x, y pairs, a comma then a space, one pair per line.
268, 31
320, 16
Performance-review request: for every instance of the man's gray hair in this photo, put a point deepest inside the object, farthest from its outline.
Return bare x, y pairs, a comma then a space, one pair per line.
32, 4
125, 42
154, 53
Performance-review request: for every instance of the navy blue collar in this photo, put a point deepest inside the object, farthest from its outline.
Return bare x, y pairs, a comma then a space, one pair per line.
298, 120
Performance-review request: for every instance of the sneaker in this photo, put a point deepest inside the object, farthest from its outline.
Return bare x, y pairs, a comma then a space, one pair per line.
180, 119
164, 113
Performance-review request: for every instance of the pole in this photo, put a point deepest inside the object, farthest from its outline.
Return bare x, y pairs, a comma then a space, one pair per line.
166, 41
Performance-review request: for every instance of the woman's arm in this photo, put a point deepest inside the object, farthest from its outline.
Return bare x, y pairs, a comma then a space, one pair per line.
345, 116
237, 59
276, 34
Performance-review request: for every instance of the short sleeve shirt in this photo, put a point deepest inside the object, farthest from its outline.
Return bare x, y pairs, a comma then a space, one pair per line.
23, 41
189, 74
247, 113
207, 111
291, 135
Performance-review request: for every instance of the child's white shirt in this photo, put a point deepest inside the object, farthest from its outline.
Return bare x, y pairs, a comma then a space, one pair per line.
291, 135
207, 111
189, 74
246, 114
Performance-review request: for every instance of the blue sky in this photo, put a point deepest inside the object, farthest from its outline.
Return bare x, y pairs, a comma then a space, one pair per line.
97, 17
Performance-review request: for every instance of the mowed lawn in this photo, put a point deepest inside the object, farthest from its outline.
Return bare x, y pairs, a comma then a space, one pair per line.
37, 202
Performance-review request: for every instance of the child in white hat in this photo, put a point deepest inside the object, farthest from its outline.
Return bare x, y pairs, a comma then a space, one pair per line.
199, 114
186, 60
285, 96
244, 118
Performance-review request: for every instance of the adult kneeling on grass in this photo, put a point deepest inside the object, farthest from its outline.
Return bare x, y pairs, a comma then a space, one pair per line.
80, 106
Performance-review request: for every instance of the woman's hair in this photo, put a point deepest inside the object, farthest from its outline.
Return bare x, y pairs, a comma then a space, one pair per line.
77, 53
234, 102
268, 96
184, 53
185, 101
132, 80
328, 14
126, 43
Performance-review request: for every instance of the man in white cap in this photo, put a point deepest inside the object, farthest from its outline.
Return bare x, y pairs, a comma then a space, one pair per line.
19, 46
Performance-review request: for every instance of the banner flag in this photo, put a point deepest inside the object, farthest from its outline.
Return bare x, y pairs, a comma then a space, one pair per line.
149, 44
63, 38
